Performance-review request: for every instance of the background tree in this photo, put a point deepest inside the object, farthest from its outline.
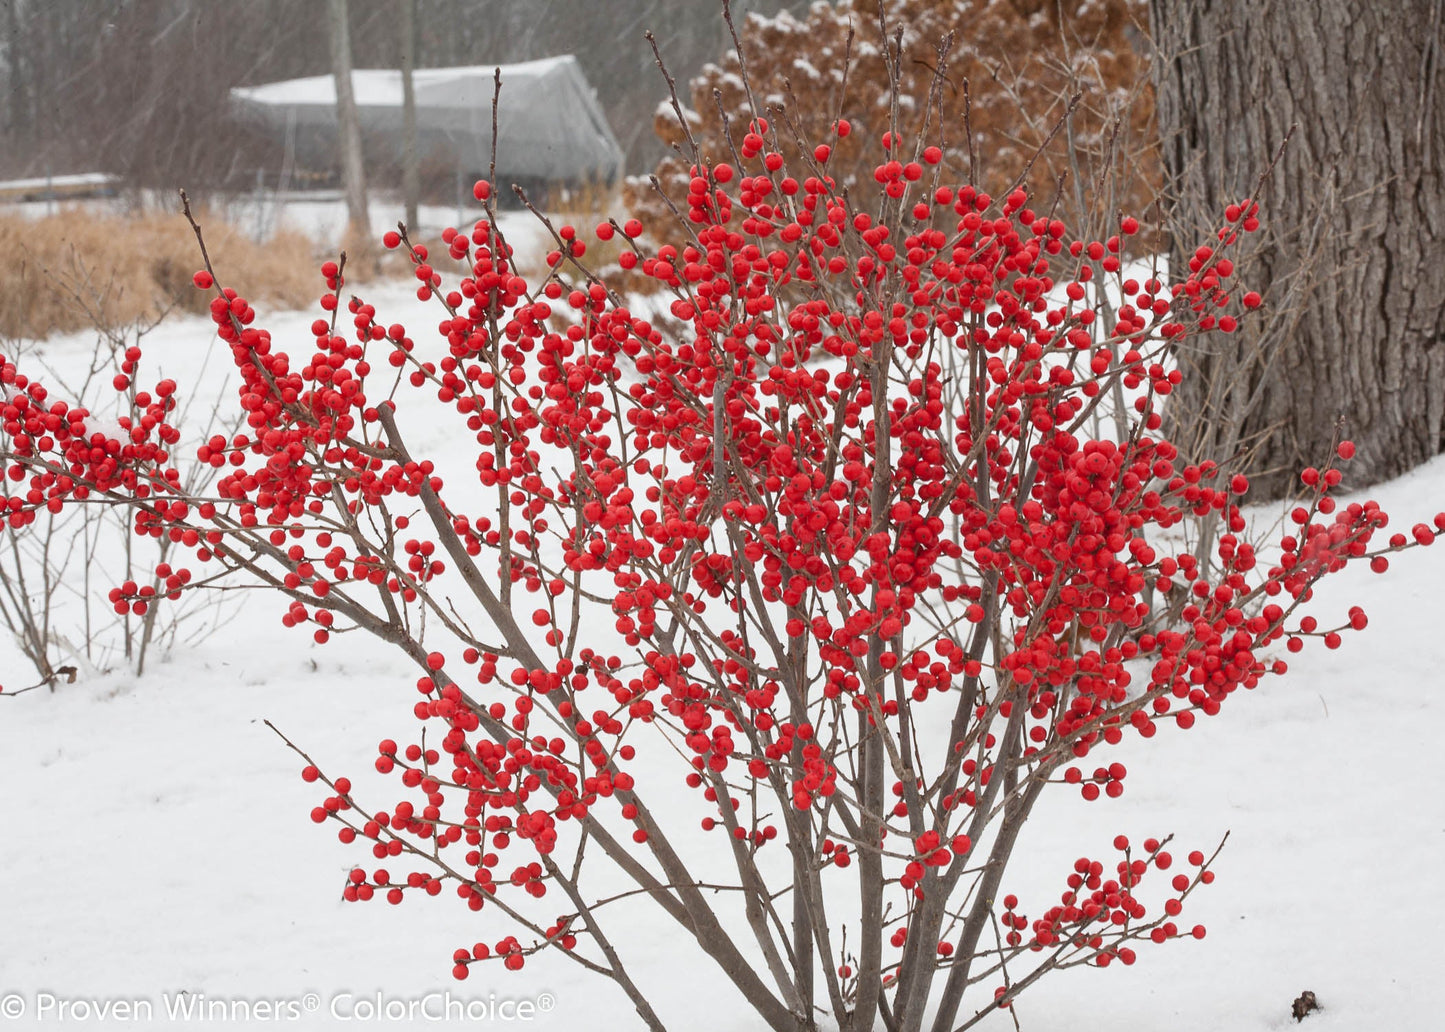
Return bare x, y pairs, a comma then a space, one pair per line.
353, 170
1352, 267
410, 174
86, 93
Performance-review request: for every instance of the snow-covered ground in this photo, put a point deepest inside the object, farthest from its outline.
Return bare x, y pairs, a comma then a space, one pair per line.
156, 838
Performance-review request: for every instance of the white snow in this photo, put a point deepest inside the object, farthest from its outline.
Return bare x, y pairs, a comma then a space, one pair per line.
381, 87
91, 179
156, 834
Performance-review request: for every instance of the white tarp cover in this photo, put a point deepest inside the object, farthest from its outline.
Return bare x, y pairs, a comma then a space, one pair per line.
549, 124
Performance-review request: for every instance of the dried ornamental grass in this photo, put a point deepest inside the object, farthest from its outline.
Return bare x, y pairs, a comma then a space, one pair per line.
75, 269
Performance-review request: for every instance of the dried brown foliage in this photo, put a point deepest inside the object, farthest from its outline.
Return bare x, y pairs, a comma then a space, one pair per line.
80, 268
1011, 70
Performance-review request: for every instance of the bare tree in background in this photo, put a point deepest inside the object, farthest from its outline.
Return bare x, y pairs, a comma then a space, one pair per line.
1352, 263
410, 172
348, 128
16, 115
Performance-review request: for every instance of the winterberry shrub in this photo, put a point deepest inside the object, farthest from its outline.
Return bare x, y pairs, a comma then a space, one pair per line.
806, 588
54, 568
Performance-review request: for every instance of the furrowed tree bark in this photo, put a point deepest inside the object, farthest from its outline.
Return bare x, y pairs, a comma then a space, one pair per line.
1351, 257
348, 126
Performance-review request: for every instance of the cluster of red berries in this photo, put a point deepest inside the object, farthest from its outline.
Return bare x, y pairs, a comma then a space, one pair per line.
844, 478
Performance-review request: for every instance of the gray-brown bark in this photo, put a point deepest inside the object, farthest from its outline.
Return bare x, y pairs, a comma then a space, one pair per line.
410, 173
1351, 259
353, 171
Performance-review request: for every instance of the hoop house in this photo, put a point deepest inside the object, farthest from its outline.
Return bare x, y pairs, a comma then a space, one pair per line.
550, 127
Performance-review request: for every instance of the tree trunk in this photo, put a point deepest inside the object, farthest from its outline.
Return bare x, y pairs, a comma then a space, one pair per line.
17, 121
1351, 257
410, 173
348, 128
